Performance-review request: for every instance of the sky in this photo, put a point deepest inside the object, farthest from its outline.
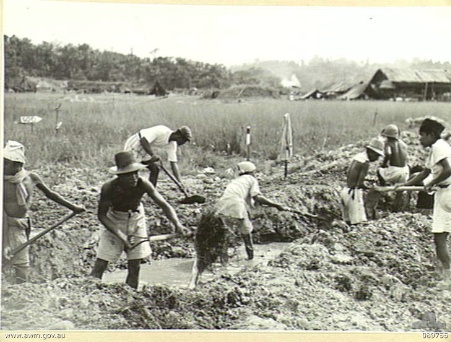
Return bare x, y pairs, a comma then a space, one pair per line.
232, 35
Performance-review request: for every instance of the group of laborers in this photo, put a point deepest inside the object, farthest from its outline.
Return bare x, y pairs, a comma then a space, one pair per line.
394, 170
120, 209
121, 212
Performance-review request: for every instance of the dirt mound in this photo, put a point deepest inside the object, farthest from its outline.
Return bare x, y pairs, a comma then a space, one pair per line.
378, 276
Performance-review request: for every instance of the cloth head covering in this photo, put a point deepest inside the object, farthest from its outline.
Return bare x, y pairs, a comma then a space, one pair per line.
246, 166
14, 151
432, 125
125, 163
186, 132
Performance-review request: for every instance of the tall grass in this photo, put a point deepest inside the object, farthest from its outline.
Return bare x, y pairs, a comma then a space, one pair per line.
95, 127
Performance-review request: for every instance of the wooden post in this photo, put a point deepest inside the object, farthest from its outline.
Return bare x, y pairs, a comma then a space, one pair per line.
248, 142
57, 124
375, 118
287, 142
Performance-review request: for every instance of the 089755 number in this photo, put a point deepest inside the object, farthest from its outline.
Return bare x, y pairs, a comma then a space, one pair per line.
435, 335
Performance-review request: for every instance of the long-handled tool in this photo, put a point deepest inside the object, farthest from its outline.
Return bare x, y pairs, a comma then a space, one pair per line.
45, 231
188, 199
307, 215
152, 238
400, 188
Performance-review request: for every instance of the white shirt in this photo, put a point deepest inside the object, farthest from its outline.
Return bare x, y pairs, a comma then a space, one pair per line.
439, 151
158, 137
237, 197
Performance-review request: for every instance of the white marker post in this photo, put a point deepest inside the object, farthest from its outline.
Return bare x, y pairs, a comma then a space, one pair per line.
57, 122
248, 142
287, 142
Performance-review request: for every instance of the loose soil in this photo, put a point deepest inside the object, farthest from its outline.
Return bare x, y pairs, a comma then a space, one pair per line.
379, 276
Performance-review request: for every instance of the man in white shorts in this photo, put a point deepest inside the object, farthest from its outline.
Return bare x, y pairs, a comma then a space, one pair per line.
146, 143
438, 165
121, 212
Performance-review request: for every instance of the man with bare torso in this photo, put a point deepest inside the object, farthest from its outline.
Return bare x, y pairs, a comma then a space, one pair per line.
394, 168
18, 186
122, 214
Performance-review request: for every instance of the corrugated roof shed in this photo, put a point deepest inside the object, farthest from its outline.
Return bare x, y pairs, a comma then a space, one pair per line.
417, 76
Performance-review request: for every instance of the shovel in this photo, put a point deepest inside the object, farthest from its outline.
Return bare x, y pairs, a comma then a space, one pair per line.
45, 231
188, 199
400, 188
154, 238
307, 215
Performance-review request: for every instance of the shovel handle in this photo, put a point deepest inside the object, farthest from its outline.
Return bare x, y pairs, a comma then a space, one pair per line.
400, 188
154, 238
45, 231
170, 175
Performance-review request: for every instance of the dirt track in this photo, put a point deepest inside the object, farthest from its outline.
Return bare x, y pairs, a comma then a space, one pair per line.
376, 277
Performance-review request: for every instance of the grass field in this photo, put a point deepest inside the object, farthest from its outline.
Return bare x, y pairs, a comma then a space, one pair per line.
96, 126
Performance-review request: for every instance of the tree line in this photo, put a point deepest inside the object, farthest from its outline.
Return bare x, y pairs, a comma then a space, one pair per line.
83, 63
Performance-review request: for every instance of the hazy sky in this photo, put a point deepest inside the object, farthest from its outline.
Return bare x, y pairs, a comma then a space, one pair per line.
237, 34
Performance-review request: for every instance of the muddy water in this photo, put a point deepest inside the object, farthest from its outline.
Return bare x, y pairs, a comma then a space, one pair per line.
177, 272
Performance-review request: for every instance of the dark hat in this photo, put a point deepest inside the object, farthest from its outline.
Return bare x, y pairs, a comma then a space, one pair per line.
125, 163
432, 125
186, 132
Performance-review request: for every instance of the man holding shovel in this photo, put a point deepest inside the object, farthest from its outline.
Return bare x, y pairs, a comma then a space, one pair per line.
122, 214
438, 165
18, 186
146, 142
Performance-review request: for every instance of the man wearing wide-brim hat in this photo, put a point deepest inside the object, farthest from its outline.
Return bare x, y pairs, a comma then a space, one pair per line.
122, 214
437, 174
352, 203
147, 142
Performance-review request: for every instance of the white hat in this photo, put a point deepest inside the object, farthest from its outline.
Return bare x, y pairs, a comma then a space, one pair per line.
14, 151
377, 146
246, 166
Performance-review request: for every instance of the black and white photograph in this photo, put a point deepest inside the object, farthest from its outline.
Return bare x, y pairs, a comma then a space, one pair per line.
225, 168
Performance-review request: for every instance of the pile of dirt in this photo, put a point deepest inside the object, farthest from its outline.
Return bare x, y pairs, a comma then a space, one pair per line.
378, 276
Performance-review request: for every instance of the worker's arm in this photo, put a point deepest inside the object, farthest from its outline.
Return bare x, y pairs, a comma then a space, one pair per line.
53, 195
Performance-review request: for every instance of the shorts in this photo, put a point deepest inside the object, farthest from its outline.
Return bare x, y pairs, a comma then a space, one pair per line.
395, 174
241, 225
353, 210
17, 235
111, 247
441, 217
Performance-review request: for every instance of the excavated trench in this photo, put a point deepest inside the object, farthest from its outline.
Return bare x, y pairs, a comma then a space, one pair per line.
308, 274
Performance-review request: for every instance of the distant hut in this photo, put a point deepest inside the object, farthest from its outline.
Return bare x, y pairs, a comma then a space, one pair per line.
158, 90
360, 91
336, 89
412, 84
313, 94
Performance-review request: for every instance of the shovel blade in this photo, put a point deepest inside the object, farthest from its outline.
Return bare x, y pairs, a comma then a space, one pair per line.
193, 199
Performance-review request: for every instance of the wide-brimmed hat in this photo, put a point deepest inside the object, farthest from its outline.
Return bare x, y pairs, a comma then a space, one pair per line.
186, 132
14, 151
391, 131
125, 163
377, 146
246, 166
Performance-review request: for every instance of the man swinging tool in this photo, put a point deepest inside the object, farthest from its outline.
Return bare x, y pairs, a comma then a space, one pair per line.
122, 214
146, 142
18, 186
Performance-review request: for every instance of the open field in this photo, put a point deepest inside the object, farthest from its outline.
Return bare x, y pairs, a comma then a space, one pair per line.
95, 127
